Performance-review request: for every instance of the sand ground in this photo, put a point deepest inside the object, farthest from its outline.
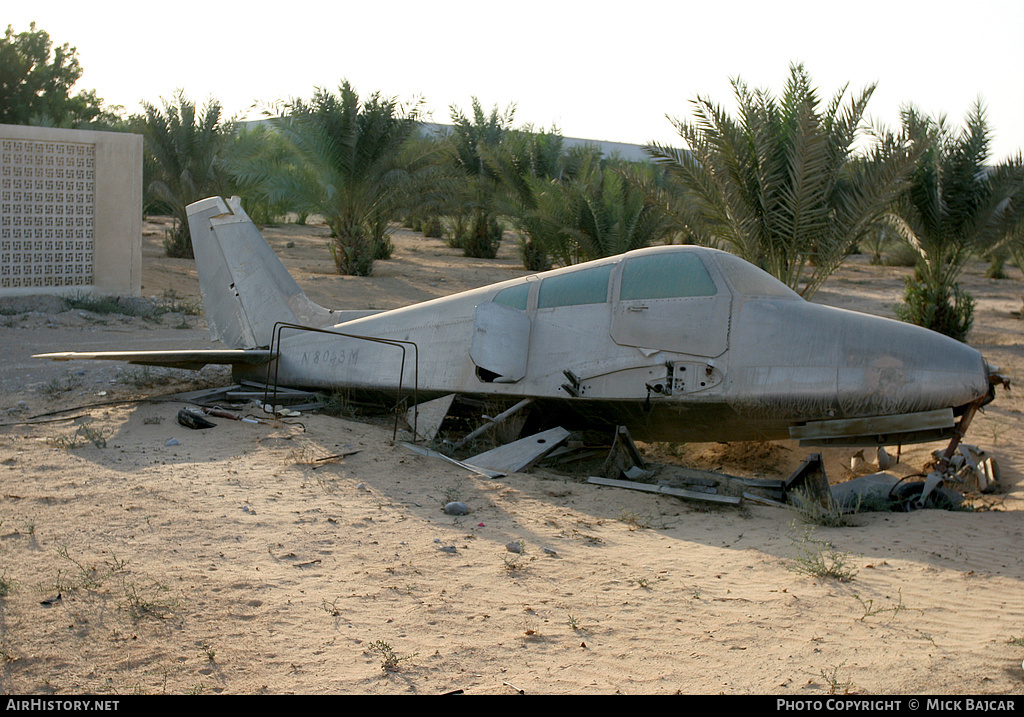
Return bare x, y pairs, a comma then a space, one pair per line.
232, 561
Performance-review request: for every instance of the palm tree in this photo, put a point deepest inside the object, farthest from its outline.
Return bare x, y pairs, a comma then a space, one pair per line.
476, 228
184, 146
259, 145
1013, 240
779, 185
592, 207
525, 164
350, 169
956, 208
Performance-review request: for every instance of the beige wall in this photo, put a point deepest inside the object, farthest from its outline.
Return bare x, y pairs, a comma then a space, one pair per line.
70, 211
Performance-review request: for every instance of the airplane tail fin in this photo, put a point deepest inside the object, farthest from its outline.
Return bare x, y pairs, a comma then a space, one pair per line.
245, 287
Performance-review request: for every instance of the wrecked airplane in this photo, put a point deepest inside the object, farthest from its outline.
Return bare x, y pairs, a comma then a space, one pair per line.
676, 343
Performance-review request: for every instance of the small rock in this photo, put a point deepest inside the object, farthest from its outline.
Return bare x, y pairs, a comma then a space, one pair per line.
456, 508
550, 551
448, 549
173, 442
515, 546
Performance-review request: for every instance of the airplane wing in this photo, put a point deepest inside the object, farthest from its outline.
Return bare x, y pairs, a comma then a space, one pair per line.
186, 358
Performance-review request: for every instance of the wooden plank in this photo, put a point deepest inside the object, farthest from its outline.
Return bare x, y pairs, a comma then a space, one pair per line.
519, 455
667, 490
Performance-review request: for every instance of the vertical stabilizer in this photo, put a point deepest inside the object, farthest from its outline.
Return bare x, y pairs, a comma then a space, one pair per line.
245, 287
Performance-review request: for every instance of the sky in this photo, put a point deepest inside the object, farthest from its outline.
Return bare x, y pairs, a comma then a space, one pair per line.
613, 71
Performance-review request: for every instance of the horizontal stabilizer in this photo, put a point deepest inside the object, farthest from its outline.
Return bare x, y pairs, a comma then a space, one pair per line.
191, 359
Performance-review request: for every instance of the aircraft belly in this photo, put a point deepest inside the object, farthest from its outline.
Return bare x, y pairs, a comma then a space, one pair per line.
667, 420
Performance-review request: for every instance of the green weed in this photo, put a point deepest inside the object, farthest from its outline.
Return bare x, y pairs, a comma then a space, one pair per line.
6, 584
148, 600
870, 610
389, 660
635, 521
820, 559
835, 684
62, 384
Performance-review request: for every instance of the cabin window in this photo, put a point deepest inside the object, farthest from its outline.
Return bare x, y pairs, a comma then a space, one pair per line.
514, 296
665, 276
586, 286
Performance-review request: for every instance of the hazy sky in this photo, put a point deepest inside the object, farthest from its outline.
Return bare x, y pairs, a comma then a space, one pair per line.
596, 70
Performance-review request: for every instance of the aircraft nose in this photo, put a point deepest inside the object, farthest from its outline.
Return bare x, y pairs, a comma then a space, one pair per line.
826, 361
888, 366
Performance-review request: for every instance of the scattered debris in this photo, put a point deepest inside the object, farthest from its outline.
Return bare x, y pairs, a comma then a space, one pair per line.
667, 490
973, 468
865, 492
623, 456
192, 419
424, 451
520, 455
809, 480
492, 422
426, 418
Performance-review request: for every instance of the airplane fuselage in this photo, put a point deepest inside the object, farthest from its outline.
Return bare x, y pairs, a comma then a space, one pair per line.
679, 343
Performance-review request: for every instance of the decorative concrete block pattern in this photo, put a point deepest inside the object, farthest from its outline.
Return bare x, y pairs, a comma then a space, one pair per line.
47, 213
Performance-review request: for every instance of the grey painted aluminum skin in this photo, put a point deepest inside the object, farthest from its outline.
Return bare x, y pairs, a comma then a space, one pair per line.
744, 358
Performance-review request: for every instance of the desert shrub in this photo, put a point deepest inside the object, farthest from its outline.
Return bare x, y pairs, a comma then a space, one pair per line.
946, 309
533, 257
432, 227
901, 254
483, 238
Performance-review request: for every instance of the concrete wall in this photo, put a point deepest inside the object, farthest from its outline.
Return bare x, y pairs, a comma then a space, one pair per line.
70, 211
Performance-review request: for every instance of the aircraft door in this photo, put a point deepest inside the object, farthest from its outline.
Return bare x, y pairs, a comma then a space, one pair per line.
669, 301
500, 344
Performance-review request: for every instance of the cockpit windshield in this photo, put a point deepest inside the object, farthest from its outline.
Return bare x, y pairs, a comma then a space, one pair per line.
748, 279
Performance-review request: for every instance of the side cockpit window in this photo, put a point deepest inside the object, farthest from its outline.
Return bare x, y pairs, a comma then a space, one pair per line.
514, 296
586, 286
665, 276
